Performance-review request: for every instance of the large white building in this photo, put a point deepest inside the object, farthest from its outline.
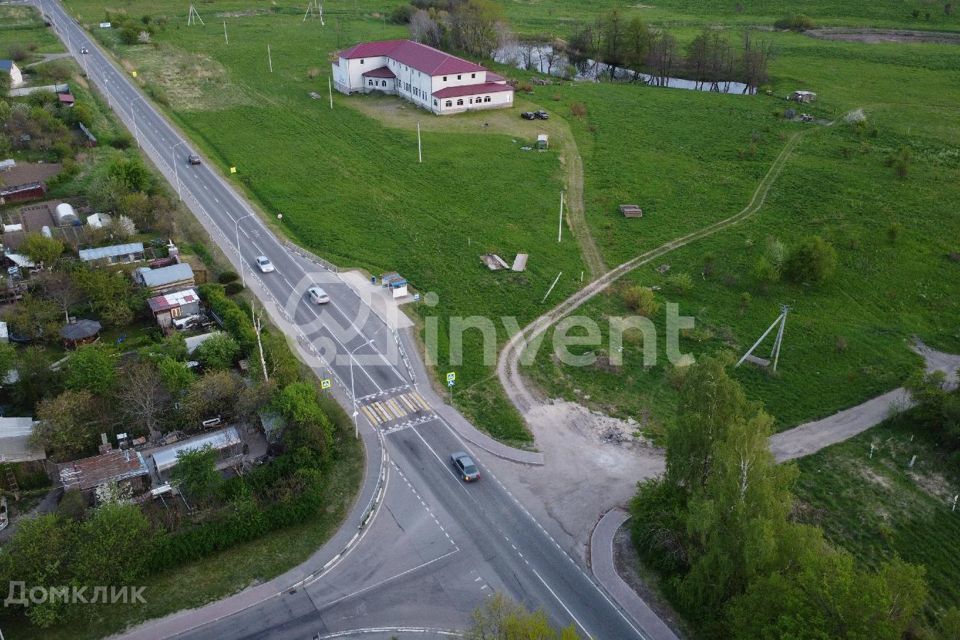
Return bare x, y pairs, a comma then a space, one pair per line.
427, 77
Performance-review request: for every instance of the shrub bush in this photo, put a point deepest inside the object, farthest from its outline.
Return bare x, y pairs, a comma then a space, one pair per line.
641, 300
796, 22
813, 261
578, 110
227, 277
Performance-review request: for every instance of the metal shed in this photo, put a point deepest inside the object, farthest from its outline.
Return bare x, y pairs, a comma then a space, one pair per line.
226, 442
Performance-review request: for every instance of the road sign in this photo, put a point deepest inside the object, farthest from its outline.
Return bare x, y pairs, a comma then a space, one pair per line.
451, 377
450, 383
233, 169
326, 383
134, 73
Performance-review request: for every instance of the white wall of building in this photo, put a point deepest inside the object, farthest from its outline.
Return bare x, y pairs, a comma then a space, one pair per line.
498, 100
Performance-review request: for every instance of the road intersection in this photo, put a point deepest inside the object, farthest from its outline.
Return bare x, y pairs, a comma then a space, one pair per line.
420, 550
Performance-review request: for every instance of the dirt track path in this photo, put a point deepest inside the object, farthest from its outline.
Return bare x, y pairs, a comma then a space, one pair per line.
576, 211
508, 364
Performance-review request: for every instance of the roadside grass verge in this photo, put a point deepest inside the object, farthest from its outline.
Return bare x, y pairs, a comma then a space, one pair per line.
879, 507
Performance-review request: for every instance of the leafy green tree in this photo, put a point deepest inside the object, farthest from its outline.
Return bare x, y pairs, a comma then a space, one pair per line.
113, 546
196, 473
950, 624
813, 261
499, 618
38, 554
176, 376
130, 173
218, 352
36, 318
92, 368
307, 424
8, 359
67, 425
37, 379
825, 596
41, 249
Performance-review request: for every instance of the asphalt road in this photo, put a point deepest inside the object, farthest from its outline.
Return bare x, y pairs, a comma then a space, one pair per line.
437, 546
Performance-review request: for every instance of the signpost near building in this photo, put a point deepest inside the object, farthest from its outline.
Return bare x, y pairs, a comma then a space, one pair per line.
451, 381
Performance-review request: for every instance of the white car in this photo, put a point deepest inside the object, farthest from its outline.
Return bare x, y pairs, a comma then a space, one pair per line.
318, 295
264, 264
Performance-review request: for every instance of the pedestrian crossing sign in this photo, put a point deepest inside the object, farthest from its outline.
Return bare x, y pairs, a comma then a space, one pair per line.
451, 378
233, 169
326, 383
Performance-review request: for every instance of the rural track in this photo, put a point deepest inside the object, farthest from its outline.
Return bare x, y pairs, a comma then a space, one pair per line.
508, 364
576, 215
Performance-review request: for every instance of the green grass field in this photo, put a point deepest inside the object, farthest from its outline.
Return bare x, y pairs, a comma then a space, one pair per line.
877, 507
350, 189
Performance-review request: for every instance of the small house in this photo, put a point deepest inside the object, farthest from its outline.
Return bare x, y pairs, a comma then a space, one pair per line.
80, 332
99, 220
21, 192
226, 442
169, 306
16, 444
10, 68
803, 97
114, 254
166, 279
126, 467
66, 99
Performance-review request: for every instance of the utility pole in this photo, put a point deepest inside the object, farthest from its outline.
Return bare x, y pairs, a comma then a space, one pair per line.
560, 228
419, 144
225, 39
269, 59
330, 90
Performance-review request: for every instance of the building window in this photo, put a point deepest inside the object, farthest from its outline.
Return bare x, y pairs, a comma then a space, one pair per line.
473, 75
460, 102
486, 98
444, 78
361, 60
458, 77
369, 83
434, 102
384, 83
448, 103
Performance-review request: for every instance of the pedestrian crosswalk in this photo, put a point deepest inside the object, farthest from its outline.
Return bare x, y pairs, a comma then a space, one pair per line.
395, 408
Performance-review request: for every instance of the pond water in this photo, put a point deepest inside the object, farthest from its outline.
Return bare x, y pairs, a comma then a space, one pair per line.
541, 57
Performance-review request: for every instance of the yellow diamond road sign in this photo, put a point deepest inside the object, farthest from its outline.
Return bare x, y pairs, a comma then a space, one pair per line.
326, 383
134, 73
233, 169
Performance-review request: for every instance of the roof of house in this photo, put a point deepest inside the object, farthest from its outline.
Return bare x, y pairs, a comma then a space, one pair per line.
65, 98
6, 192
494, 77
15, 445
165, 275
80, 330
413, 54
166, 457
471, 90
20, 260
380, 72
172, 300
112, 251
116, 465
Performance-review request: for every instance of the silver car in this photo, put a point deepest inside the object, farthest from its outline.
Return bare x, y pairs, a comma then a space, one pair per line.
318, 295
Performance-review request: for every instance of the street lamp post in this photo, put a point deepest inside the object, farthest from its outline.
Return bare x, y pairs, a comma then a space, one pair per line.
243, 279
353, 394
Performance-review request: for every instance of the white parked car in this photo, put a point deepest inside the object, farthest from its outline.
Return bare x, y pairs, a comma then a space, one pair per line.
318, 295
263, 262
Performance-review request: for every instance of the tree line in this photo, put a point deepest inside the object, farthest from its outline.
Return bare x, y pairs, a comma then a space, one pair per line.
719, 526
628, 43
475, 27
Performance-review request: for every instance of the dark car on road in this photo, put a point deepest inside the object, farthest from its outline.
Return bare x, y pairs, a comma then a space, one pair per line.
193, 159
528, 115
465, 466
541, 115
84, 50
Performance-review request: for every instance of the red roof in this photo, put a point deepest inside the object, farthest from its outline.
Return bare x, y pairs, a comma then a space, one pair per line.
431, 61
65, 98
493, 77
380, 72
471, 90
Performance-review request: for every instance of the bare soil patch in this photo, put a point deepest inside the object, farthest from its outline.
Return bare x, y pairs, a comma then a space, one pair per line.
905, 36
